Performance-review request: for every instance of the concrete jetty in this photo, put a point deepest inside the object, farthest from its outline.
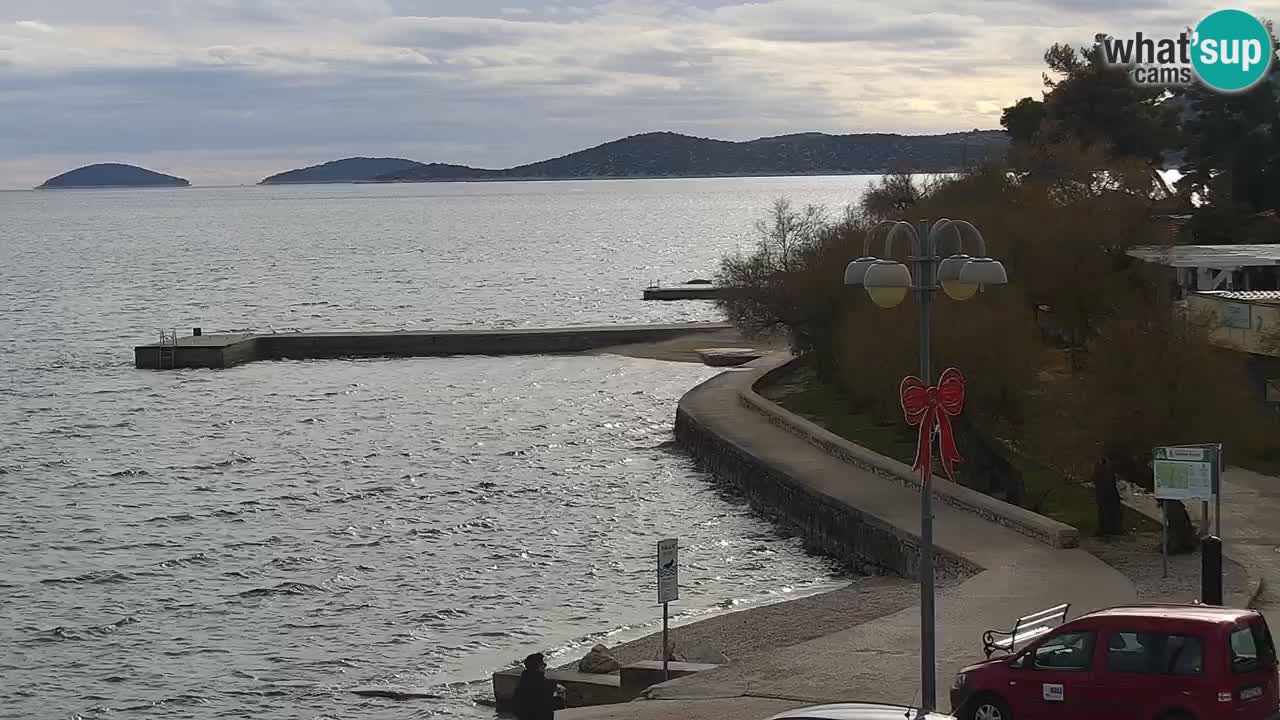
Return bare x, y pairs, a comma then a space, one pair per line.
229, 350
688, 291
590, 689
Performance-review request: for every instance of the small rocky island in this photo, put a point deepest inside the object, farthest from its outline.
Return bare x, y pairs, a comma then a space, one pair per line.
347, 170
112, 175
668, 154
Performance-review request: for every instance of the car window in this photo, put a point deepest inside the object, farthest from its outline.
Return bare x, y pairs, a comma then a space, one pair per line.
1066, 651
1155, 653
1251, 648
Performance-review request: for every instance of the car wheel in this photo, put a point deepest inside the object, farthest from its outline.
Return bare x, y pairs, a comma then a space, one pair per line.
988, 707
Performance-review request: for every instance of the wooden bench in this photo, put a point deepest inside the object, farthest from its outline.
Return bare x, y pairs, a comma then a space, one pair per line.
1025, 629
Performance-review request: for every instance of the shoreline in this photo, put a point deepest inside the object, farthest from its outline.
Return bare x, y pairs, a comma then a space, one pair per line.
759, 628
601, 178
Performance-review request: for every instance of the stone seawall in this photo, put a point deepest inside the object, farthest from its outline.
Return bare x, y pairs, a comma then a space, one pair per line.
860, 541
1020, 520
857, 538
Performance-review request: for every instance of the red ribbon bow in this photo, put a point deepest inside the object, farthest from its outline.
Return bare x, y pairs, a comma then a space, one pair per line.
929, 406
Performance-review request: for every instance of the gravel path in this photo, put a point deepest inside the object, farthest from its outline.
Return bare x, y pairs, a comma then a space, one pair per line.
1137, 555
781, 624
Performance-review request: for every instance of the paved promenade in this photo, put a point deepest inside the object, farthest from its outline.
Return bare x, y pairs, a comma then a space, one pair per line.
877, 661
1251, 531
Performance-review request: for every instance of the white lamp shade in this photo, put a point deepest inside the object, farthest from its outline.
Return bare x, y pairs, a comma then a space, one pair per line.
887, 297
949, 269
957, 290
949, 278
887, 282
984, 271
857, 270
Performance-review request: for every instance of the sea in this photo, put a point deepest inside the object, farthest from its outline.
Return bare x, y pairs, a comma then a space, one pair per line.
260, 541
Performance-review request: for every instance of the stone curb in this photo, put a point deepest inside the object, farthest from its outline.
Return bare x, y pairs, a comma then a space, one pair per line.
1046, 530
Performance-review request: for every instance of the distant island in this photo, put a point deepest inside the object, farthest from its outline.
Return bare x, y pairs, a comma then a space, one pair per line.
349, 170
667, 154
112, 175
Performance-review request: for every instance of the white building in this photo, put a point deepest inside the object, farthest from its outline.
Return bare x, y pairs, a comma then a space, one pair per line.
1239, 286
1247, 321
1217, 267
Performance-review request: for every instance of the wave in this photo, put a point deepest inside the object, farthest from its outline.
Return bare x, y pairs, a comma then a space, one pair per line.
272, 540
439, 616
151, 544
235, 460
62, 633
188, 561
97, 577
294, 561
284, 588
178, 517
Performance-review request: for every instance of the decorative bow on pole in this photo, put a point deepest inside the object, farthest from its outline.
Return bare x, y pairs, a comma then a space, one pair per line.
930, 407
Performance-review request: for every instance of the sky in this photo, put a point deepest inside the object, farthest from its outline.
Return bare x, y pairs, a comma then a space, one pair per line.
229, 91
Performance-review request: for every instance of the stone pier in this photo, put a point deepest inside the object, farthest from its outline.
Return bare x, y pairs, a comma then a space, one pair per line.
224, 351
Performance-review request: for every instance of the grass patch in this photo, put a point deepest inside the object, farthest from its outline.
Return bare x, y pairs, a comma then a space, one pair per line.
827, 406
1045, 491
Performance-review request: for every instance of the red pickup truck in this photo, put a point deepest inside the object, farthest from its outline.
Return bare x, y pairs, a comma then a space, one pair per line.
1145, 662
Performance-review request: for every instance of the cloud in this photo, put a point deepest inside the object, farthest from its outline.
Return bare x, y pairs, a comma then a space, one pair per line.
35, 25
267, 83
456, 33
292, 12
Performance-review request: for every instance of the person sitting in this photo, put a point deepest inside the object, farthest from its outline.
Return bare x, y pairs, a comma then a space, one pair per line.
536, 698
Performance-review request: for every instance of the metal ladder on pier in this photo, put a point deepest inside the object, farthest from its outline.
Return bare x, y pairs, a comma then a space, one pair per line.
168, 350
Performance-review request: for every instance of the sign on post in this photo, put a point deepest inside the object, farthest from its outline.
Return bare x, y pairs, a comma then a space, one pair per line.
1185, 472
668, 591
668, 571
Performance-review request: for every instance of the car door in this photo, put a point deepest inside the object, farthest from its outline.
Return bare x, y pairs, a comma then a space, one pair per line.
1147, 671
1052, 679
1252, 679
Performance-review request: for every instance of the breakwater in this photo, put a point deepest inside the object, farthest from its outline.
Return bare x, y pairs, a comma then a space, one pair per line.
690, 291
859, 540
229, 350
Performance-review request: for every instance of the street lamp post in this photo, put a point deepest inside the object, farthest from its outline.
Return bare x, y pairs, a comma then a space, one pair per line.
887, 282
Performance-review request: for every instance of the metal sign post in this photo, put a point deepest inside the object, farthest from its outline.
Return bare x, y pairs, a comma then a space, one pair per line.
1186, 472
668, 591
1164, 538
1217, 494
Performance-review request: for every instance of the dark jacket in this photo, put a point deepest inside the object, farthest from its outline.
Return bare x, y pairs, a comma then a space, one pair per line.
536, 697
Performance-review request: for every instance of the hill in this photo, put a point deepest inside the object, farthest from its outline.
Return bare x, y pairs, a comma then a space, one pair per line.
349, 170
666, 154
112, 175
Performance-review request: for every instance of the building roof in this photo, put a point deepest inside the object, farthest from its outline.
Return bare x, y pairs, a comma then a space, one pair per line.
1209, 256
1256, 297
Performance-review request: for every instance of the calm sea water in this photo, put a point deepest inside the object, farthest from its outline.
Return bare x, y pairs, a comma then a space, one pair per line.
258, 541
